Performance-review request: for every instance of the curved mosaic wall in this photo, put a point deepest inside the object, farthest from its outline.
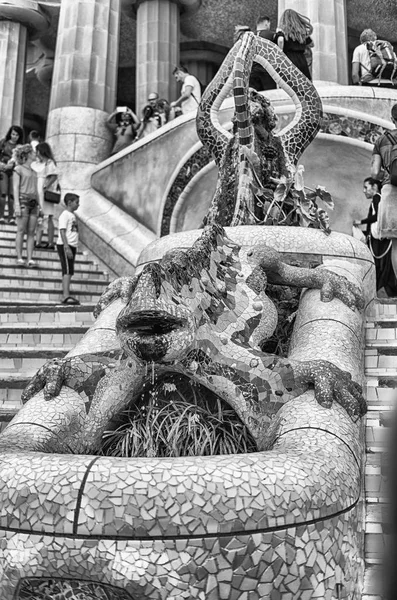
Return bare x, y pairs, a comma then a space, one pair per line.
331, 123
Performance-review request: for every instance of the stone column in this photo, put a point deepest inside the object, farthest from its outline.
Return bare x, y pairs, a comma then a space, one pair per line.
17, 21
83, 87
158, 46
328, 17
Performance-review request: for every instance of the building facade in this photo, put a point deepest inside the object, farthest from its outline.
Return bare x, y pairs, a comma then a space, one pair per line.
115, 52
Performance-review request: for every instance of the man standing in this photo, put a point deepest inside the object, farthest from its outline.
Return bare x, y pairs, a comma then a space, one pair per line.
386, 283
361, 62
387, 213
260, 79
191, 90
150, 117
263, 28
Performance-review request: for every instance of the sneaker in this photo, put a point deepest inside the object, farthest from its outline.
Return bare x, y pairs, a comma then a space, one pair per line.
2, 221
32, 264
11, 221
21, 262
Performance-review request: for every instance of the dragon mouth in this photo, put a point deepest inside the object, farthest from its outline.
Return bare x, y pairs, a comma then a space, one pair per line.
155, 335
149, 324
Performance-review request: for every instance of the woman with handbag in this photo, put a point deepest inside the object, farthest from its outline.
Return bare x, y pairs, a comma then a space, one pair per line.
47, 187
26, 205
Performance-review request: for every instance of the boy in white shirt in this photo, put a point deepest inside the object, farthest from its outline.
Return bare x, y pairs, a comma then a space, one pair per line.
67, 243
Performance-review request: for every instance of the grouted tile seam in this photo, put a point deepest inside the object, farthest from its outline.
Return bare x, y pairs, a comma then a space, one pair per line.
80, 494
325, 431
198, 536
331, 320
42, 427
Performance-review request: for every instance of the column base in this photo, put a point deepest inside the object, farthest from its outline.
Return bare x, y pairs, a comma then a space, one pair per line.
80, 140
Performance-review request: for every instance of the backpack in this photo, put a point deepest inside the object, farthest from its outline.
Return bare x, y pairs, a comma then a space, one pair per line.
383, 59
392, 168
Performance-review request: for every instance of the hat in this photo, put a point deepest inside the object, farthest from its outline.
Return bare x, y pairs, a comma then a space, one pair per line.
153, 96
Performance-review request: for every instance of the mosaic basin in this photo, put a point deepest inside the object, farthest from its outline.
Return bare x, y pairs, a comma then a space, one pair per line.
282, 523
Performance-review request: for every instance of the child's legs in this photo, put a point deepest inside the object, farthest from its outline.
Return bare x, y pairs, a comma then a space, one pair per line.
10, 197
22, 225
39, 231
51, 230
32, 222
3, 193
66, 285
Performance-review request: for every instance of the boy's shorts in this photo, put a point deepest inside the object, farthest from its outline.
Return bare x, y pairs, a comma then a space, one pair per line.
67, 263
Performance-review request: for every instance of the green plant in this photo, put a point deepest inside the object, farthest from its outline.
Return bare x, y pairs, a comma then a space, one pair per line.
177, 417
292, 203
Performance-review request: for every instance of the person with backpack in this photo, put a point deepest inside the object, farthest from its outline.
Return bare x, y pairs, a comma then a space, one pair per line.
373, 60
191, 90
384, 160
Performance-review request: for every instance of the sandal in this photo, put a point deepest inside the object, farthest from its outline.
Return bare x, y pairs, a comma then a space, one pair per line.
32, 264
70, 300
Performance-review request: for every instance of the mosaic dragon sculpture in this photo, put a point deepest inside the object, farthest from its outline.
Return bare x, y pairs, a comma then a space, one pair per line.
252, 155
203, 312
154, 528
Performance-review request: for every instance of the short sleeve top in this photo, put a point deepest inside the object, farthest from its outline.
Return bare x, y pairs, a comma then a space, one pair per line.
27, 181
383, 147
194, 99
68, 221
44, 170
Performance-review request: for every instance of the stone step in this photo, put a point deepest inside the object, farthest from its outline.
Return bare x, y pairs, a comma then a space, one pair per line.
12, 385
375, 478
49, 260
377, 513
381, 344
32, 280
378, 396
36, 334
387, 374
45, 314
27, 359
37, 253
88, 271
377, 438
373, 583
9, 236
376, 547
39, 295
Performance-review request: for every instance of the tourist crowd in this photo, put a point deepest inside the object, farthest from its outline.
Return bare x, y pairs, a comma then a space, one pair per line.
29, 193
126, 126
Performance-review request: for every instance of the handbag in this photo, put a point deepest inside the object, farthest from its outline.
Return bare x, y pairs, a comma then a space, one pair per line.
53, 197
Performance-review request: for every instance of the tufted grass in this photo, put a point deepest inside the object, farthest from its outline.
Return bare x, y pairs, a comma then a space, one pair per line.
178, 418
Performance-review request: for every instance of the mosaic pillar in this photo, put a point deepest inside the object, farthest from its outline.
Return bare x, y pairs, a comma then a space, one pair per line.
158, 46
328, 17
83, 86
15, 20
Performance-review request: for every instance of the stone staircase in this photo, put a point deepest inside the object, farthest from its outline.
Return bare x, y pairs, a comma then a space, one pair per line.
381, 373
34, 326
